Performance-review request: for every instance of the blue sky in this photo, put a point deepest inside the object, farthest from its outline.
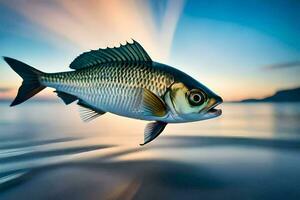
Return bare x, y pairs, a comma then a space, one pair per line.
229, 46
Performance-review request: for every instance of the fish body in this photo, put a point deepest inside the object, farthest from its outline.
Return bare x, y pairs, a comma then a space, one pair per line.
124, 81
114, 88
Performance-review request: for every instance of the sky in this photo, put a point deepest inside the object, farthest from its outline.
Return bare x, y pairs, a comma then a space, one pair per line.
239, 49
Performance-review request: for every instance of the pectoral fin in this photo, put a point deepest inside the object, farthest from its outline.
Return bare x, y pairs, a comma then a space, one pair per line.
152, 130
152, 104
87, 112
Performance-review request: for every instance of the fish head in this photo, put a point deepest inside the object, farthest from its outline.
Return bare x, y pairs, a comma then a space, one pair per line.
192, 102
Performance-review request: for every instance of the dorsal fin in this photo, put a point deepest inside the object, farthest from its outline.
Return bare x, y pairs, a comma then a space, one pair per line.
87, 112
130, 52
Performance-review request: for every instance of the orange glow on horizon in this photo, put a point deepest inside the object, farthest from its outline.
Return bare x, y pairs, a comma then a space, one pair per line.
226, 94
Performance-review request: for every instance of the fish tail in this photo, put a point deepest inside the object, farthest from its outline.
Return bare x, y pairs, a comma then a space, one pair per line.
31, 84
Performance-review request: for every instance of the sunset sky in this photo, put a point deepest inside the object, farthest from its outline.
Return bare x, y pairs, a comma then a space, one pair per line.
239, 49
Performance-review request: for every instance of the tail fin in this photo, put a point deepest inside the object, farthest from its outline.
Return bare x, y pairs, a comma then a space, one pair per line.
31, 84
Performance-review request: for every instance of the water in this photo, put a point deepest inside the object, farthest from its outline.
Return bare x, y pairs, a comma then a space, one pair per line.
250, 152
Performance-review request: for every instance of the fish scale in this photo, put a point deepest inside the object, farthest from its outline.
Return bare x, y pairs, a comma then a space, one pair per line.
112, 88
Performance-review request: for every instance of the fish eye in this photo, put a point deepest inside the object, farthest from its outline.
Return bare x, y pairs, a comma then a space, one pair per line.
196, 97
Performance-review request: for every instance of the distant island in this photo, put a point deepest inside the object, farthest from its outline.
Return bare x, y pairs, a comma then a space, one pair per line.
288, 95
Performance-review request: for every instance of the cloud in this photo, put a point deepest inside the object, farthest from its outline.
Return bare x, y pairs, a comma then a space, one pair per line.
284, 65
91, 24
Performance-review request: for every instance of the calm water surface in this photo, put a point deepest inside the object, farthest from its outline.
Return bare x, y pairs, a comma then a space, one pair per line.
251, 152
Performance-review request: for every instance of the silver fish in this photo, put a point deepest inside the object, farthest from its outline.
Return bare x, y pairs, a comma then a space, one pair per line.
124, 81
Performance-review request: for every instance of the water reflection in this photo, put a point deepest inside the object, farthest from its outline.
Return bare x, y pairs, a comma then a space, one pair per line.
175, 167
250, 143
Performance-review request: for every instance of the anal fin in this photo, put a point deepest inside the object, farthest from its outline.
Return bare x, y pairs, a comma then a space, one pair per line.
152, 130
67, 98
87, 112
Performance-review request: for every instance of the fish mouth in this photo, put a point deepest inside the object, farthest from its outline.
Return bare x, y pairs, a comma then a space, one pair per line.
215, 112
212, 110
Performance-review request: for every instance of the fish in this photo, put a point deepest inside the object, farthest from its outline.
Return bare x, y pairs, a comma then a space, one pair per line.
124, 81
